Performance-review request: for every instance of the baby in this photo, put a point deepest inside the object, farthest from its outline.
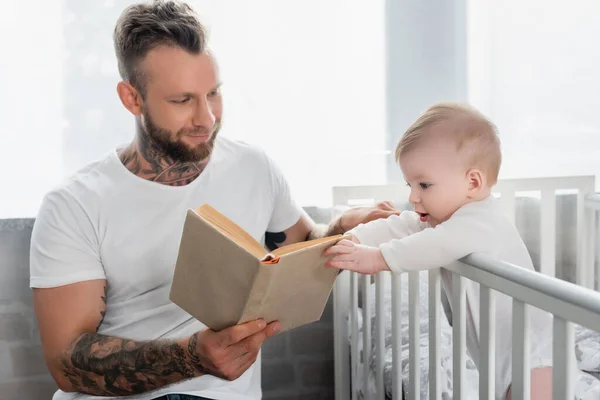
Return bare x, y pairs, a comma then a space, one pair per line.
450, 158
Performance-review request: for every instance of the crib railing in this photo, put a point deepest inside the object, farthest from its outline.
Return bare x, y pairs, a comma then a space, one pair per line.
567, 302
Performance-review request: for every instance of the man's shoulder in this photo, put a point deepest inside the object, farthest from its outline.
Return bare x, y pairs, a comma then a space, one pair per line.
89, 183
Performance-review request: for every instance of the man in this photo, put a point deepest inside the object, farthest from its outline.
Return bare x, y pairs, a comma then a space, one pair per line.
105, 242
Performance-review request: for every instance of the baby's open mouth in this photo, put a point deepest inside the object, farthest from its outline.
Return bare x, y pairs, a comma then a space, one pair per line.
424, 216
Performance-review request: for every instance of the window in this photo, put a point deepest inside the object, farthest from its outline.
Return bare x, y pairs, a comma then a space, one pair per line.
302, 79
533, 68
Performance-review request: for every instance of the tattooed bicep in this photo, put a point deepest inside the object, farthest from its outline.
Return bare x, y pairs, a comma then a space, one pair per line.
274, 240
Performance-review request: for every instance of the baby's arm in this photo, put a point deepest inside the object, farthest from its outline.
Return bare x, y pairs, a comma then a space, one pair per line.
381, 231
463, 234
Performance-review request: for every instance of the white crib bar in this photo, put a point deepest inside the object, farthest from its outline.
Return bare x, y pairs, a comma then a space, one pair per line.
366, 309
396, 337
520, 351
342, 362
354, 332
458, 334
592, 245
435, 391
487, 333
507, 198
592, 209
582, 274
548, 233
563, 360
380, 332
589, 248
414, 370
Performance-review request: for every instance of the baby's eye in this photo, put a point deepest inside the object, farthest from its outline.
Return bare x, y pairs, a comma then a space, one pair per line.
424, 185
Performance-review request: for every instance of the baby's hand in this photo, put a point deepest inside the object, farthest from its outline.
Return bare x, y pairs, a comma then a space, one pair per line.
355, 257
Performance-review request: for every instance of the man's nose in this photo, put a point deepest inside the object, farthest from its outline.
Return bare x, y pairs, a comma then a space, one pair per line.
203, 115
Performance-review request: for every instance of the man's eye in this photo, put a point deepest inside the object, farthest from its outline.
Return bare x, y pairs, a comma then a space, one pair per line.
407, 184
424, 185
214, 93
181, 101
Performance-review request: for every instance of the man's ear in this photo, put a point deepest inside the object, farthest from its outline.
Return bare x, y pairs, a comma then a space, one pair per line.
130, 97
476, 181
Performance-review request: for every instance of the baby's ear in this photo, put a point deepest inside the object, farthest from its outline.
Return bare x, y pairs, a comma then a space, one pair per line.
475, 179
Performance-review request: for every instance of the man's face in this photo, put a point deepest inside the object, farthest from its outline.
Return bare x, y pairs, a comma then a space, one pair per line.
182, 108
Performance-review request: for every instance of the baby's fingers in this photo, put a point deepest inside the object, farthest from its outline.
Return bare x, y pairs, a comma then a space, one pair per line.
340, 248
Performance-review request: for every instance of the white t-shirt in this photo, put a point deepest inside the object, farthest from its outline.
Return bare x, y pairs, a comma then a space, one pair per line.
107, 223
407, 244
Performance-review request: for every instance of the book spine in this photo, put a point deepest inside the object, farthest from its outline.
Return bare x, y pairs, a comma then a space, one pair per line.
258, 293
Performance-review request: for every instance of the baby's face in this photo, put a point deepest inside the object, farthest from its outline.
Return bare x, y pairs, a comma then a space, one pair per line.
437, 176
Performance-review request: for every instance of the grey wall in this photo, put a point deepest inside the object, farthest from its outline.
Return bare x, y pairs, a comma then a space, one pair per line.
23, 374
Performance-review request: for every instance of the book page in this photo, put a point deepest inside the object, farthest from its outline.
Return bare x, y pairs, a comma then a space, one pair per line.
302, 245
231, 230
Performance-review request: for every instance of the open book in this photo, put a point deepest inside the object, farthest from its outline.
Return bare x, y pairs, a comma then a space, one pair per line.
224, 277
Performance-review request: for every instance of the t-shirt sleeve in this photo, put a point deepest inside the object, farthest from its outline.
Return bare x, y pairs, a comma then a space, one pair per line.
286, 212
64, 246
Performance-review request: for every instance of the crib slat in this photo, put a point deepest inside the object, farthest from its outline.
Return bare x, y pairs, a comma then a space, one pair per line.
582, 274
507, 199
435, 391
521, 351
341, 309
396, 337
458, 334
354, 333
413, 336
563, 359
593, 238
487, 367
548, 233
589, 258
380, 332
366, 303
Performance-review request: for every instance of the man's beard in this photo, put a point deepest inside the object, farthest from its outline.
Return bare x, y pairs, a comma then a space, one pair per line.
168, 144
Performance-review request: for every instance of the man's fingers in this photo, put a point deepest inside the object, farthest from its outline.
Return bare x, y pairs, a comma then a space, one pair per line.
237, 333
252, 343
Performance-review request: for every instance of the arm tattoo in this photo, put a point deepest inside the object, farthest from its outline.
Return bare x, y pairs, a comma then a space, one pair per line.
274, 239
102, 312
103, 365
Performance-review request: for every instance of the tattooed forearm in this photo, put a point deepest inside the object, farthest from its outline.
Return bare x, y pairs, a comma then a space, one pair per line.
104, 365
274, 240
103, 311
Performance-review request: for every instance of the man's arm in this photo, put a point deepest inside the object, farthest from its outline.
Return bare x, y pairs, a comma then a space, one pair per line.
82, 360
306, 229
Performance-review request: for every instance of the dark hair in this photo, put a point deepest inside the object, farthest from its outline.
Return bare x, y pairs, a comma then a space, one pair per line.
144, 26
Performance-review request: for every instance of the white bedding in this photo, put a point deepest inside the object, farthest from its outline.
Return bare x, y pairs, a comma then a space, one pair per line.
587, 352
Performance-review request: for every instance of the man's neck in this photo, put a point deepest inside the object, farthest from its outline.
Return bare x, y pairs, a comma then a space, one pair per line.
146, 161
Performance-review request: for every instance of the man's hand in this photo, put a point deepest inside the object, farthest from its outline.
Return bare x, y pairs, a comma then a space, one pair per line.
230, 352
363, 214
355, 257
